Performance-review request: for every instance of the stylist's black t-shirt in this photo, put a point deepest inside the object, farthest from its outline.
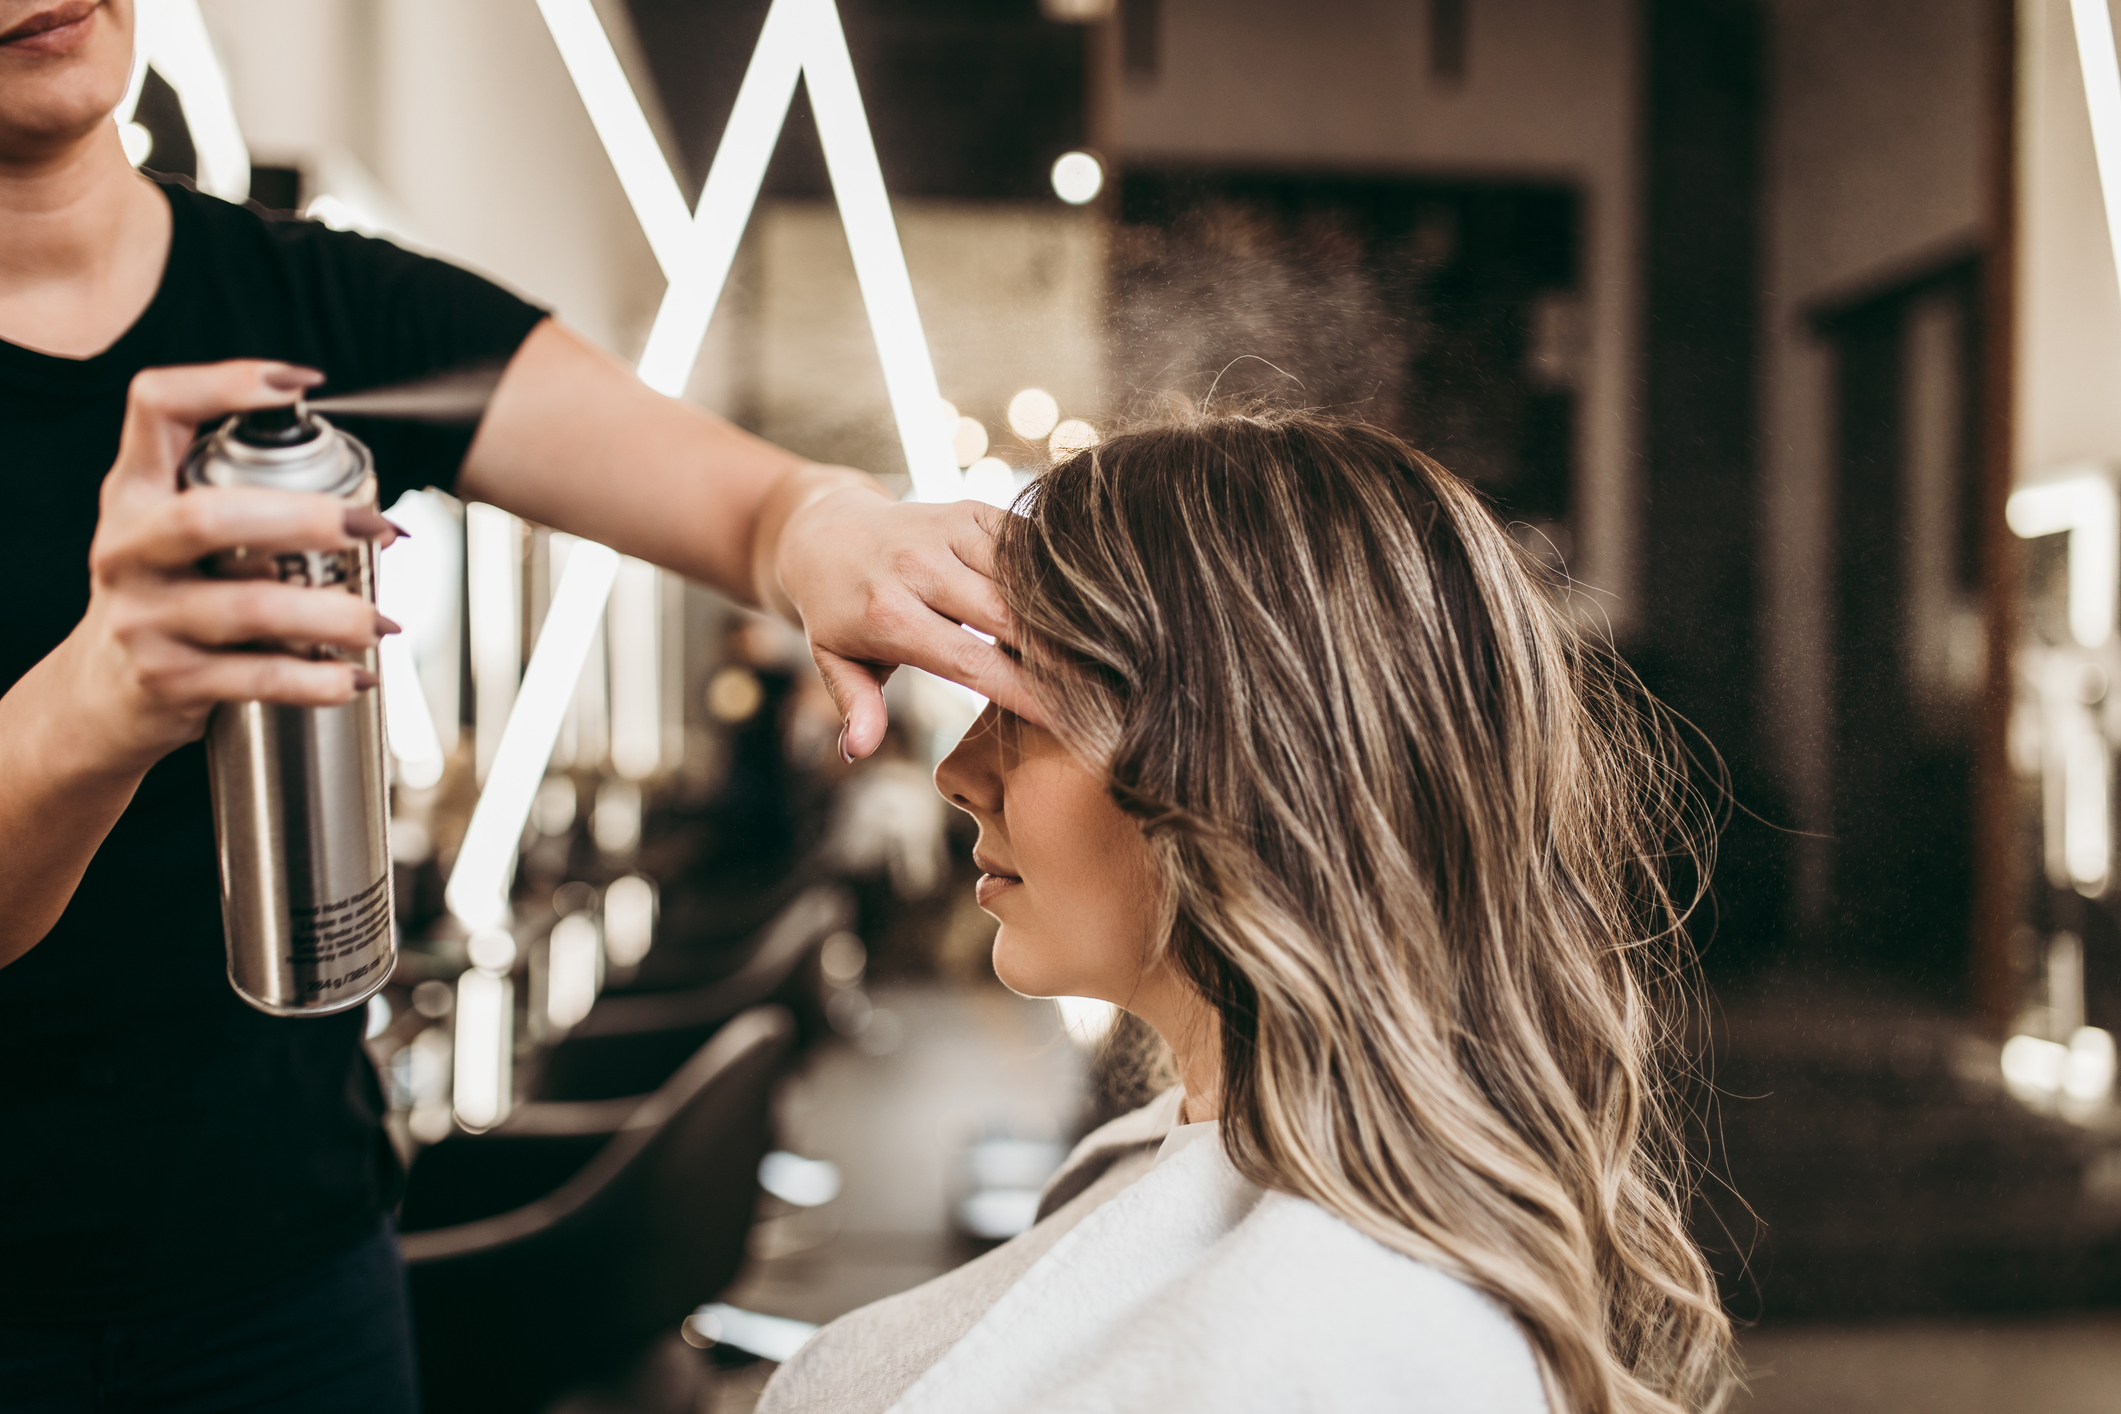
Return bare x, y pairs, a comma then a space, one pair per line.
161, 1142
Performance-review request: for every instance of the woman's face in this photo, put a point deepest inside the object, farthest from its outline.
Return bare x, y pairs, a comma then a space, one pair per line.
1065, 871
64, 65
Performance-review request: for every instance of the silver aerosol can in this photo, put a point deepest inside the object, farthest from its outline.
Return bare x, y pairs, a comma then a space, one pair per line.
301, 803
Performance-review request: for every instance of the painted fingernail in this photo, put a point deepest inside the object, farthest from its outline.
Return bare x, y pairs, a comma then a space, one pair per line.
387, 625
291, 377
845, 755
364, 524
364, 679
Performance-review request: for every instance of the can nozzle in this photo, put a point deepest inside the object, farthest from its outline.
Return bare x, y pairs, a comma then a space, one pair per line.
276, 427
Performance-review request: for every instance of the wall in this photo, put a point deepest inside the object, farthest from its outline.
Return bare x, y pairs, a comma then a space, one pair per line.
1873, 168
1550, 91
295, 71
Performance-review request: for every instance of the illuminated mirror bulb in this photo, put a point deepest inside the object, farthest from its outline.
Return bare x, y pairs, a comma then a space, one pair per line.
492, 949
615, 819
378, 1016
2088, 1069
806, 1183
553, 809
1071, 437
484, 1049
969, 443
1032, 413
408, 723
629, 920
1078, 177
571, 970
139, 142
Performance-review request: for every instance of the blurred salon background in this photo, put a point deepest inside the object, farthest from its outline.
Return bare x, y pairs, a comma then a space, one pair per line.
1790, 328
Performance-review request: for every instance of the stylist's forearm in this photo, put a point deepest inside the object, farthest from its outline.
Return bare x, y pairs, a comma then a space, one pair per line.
59, 797
797, 489
574, 441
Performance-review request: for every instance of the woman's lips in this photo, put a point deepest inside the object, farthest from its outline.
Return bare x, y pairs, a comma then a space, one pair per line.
52, 31
993, 886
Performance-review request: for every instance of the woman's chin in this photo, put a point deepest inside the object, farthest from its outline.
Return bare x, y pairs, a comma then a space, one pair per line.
1021, 970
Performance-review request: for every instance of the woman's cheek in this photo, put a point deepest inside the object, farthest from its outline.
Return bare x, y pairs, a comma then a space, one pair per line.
1078, 924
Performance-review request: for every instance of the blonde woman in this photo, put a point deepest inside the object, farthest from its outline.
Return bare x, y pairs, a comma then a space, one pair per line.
1341, 802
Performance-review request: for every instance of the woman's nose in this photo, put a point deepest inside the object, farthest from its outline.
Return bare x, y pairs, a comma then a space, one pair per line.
970, 776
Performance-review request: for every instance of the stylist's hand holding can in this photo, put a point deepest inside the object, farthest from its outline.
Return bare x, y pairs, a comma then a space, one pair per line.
161, 644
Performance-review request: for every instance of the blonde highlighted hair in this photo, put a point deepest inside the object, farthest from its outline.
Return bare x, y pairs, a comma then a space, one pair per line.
1419, 833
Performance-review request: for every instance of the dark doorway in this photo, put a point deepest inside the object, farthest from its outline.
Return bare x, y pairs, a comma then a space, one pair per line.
1906, 433
1695, 642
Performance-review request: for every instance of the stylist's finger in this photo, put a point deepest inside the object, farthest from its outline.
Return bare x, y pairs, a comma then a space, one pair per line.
271, 677
164, 407
971, 535
221, 613
858, 692
182, 530
963, 595
953, 585
922, 639
934, 644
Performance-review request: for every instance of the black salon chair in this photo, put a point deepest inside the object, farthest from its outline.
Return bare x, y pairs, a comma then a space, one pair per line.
516, 1304
628, 1044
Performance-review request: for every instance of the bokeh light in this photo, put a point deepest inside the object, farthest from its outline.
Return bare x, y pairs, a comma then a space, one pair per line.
1078, 177
969, 442
989, 479
1033, 413
1071, 437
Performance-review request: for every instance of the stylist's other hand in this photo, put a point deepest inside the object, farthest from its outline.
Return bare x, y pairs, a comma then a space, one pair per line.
161, 643
879, 582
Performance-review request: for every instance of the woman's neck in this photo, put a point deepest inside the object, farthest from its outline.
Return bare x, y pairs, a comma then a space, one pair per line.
83, 239
1203, 1092
1193, 1031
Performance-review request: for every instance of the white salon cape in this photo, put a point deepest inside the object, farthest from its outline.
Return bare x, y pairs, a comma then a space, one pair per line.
1157, 1279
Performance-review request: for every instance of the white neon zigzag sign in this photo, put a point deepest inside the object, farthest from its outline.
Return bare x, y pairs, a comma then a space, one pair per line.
801, 39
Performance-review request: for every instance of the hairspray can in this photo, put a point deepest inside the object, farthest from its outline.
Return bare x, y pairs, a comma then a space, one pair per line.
301, 803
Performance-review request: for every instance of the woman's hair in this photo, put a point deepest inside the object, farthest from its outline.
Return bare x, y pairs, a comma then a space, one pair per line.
1419, 834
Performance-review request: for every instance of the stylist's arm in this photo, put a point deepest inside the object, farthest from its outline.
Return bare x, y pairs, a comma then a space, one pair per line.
161, 644
575, 441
